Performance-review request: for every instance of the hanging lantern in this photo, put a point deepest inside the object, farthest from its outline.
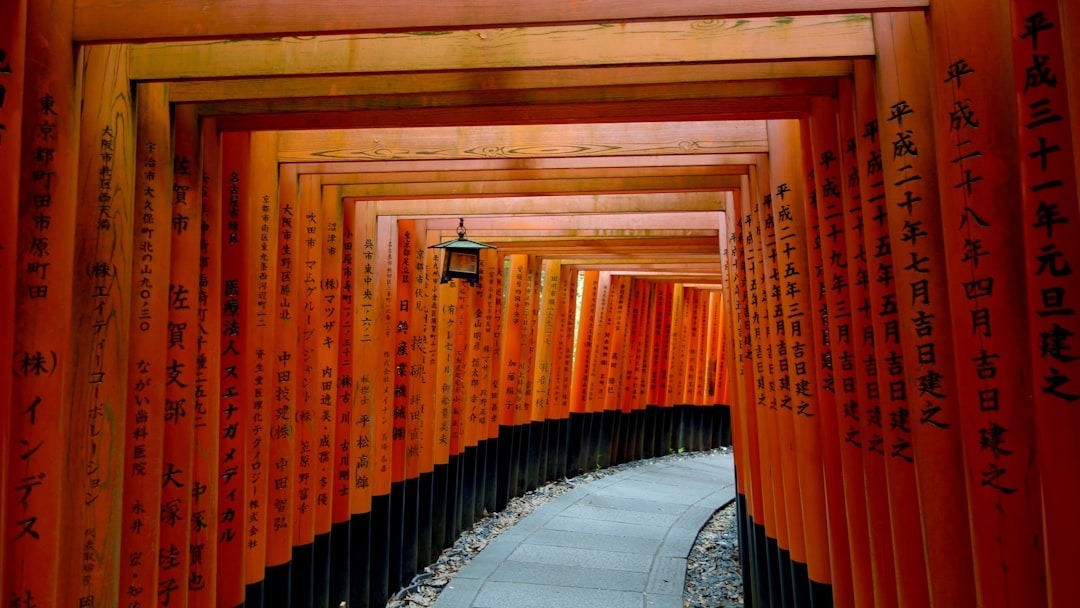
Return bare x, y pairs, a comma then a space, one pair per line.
461, 257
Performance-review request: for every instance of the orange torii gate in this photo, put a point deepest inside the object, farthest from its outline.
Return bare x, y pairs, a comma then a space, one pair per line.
234, 377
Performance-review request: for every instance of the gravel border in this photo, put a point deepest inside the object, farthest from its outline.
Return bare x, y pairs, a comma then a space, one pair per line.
707, 562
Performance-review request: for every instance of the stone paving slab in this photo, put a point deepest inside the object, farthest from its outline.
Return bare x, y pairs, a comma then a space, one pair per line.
618, 542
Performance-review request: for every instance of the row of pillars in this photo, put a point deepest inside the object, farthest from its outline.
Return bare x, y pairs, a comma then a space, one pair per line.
904, 309
230, 386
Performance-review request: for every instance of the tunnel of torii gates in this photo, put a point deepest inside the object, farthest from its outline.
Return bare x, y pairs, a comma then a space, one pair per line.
840, 234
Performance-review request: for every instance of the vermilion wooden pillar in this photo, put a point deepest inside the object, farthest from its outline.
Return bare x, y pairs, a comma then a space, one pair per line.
579, 417
150, 370
182, 350
362, 219
403, 503
766, 408
371, 503
258, 226
490, 263
204, 486
100, 328
795, 277
1046, 113
748, 483
283, 408
845, 418
341, 567
863, 360
445, 340
777, 393
543, 410
309, 259
425, 280
564, 364
905, 123
12, 73
232, 457
908, 548
1070, 33
382, 416
978, 165
39, 56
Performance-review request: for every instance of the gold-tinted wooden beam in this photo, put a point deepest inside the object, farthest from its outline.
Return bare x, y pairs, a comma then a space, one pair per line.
458, 189
660, 42
538, 165
524, 141
503, 82
141, 20
534, 205
249, 117
621, 221
522, 175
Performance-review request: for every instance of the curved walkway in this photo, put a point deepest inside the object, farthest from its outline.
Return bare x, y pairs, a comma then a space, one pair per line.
618, 542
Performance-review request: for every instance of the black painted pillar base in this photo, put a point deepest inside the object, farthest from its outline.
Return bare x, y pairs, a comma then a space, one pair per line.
340, 554
424, 549
439, 491
359, 561
821, 595
575, 427
253, 595
453, 499
380, 549
491, 473
503, 466
468, 487
278, 587
303, 575
533, 436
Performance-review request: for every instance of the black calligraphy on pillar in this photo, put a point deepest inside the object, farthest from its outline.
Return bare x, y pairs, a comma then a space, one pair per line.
930, 389
966, 180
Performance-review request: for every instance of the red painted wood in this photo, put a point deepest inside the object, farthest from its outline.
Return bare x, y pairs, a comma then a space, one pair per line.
922, 289
204, 487
1045, 116
36, 415
234, 409
908, 548
151, 368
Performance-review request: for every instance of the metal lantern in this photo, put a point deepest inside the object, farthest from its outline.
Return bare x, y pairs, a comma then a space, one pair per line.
461, 257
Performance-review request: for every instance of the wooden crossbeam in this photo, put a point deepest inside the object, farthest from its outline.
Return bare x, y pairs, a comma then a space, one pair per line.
643, 163
533, 205
521, 175
660, 42
622, 221
271, 101
140, 20
248, 118
458, 189
504, 82
524, 141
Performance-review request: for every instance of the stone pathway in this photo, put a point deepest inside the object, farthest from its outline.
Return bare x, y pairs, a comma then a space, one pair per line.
618, 542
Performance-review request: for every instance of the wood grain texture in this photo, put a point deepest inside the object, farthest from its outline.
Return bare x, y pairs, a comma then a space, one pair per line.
132, 19
523, 142
505, 81
660, 42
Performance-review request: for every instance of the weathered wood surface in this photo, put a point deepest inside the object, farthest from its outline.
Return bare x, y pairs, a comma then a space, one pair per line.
738, 79
131, 19
701, 41
523, 141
